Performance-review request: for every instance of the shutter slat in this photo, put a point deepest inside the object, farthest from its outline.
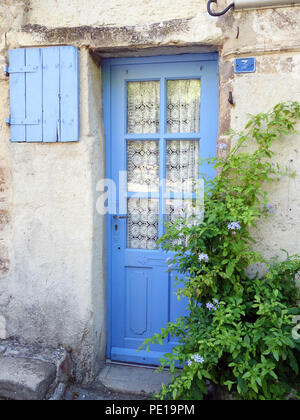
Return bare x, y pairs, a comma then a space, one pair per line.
17, 95
34, 95
69, 107
51, 117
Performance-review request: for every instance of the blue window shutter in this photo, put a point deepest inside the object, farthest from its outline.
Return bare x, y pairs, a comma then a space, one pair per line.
44, 94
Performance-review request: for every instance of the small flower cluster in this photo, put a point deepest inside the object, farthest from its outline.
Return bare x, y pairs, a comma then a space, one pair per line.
270, 209
170, 263
211, 306
222, 146
234, 226
203, 257
195, 358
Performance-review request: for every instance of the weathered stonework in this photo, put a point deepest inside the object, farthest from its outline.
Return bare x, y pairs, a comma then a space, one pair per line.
2, 328
52, 246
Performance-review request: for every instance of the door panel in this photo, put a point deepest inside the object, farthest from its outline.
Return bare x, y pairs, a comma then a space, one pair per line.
163, 117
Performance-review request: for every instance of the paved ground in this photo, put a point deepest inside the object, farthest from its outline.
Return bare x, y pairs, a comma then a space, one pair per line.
118, 382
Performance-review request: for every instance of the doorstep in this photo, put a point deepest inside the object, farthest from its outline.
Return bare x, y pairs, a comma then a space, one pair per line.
132, 379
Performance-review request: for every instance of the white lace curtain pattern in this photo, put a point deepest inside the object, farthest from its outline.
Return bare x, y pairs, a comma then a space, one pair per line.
183, 106
143, 107
142, 166
142, 225
183, 116
181, 165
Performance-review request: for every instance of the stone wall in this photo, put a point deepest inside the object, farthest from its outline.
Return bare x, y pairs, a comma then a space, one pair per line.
52, 242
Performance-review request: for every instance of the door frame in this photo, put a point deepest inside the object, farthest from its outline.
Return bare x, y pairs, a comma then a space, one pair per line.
107, 65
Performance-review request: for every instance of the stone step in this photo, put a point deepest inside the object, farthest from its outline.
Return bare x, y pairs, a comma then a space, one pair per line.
25, 379
33, 372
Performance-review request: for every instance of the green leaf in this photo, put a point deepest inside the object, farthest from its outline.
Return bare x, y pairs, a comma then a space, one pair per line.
230, 268
276, 355
246, 339
273, 374
258, 380
293, 363
206, 374
242, 386
229, 384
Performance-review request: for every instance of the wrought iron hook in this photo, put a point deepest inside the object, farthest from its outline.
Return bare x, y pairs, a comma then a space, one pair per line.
211, 13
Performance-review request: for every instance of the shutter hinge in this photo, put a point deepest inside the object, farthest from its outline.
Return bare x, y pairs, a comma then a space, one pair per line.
22, 69
24, 121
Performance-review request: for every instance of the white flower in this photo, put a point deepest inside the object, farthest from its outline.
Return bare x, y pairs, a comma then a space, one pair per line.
234, 226
203, 257
197, 358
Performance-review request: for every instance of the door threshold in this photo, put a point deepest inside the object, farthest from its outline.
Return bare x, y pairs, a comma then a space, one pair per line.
113, 362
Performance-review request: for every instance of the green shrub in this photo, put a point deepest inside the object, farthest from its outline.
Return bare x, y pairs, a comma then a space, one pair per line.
238, 331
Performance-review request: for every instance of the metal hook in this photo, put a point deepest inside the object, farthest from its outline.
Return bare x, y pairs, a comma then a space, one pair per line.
217, 13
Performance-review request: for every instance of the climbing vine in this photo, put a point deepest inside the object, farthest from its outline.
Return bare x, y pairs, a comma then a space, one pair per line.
238, 331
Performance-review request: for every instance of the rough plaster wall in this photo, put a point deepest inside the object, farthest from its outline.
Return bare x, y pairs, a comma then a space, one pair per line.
52, 283
97, 167
53, 292
110, 13
277, 78
12, 16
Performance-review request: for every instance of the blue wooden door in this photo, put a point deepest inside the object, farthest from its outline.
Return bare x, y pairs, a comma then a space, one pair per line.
161, 116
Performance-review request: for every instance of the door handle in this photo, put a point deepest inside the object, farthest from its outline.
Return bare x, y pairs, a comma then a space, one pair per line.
115, 216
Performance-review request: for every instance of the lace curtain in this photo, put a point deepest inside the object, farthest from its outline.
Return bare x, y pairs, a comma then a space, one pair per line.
181, 165
142, 224
183, 106
143, 160
142, 166
143, 107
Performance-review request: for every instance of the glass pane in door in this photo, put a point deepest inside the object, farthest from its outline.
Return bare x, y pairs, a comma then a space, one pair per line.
143, 105
183, 106
182, 165
142, 166
181, 211
142, 223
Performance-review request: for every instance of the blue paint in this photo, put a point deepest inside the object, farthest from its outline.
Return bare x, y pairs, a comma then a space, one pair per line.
141, 293
17, 95
44, 94
51, 103
245, 65
34, 95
